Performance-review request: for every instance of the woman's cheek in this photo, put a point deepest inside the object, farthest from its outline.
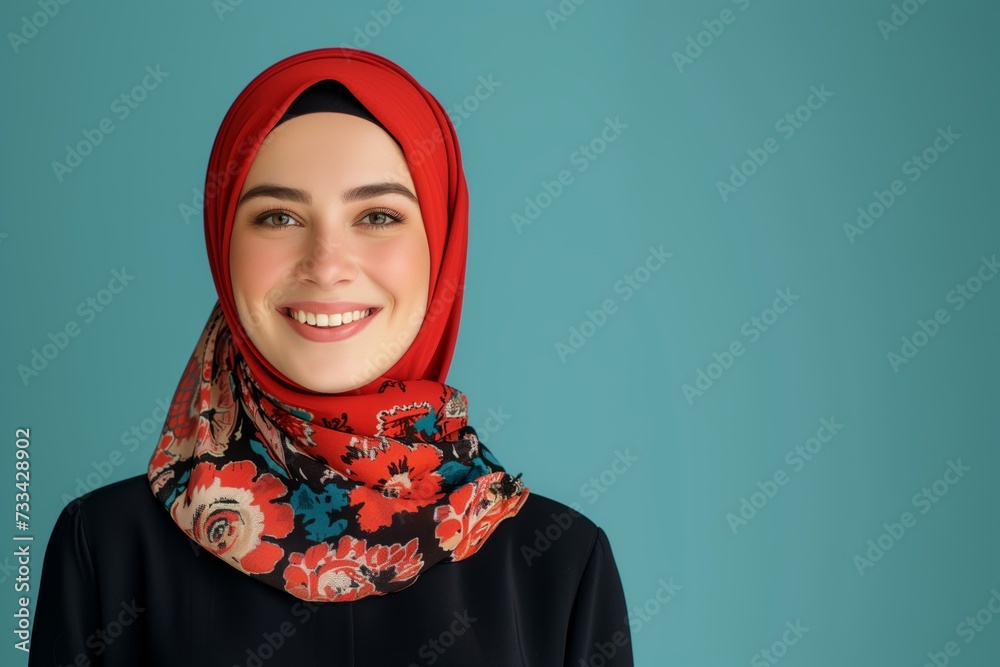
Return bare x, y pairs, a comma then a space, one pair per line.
257, 267
402, 267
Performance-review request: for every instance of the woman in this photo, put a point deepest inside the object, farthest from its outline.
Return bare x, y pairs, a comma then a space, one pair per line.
326, 501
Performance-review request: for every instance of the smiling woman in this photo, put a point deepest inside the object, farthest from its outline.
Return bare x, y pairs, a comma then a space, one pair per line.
312, 448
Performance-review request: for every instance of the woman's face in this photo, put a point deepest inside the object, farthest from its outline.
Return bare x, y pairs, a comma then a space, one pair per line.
328, 230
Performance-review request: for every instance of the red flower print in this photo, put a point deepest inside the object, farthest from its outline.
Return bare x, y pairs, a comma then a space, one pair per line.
455, 416
393, 478
472, 514
169, 450
229, 513
288, 422
351, 570
270, 436
185, 401
220, 413
400, 421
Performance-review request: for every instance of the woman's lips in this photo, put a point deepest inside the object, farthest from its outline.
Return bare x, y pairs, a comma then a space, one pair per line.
323, 319
321, 334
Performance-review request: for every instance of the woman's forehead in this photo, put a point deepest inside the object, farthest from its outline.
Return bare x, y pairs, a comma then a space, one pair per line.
331, 144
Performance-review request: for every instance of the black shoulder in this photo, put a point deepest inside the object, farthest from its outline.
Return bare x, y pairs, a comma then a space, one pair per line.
116, 494
542, 507
544, 524
128, 501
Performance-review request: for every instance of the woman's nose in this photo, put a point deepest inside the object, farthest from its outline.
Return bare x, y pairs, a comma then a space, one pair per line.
327, 261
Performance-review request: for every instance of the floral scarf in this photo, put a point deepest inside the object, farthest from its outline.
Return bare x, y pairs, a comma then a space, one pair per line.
317, 505
333, 497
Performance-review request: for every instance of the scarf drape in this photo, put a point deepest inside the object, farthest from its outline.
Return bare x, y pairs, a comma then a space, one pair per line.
333, 497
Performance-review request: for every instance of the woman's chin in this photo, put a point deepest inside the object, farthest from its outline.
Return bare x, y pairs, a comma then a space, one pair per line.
328, 377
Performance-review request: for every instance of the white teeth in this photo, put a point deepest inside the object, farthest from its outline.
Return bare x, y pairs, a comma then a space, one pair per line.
328, 320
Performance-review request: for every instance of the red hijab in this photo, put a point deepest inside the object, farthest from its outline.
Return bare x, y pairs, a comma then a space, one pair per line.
333, 497
419, 123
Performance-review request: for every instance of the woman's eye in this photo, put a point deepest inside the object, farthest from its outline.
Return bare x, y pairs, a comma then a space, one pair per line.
276, 219
381, 219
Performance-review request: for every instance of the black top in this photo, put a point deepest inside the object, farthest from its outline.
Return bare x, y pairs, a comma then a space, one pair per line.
123, 586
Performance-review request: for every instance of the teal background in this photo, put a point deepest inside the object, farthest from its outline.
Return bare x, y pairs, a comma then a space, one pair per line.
666, 514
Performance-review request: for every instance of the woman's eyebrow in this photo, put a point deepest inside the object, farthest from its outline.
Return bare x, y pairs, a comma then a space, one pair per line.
373, 190
276, 191
359, 193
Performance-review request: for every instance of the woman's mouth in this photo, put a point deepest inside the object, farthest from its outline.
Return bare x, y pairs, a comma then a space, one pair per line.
328, 320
